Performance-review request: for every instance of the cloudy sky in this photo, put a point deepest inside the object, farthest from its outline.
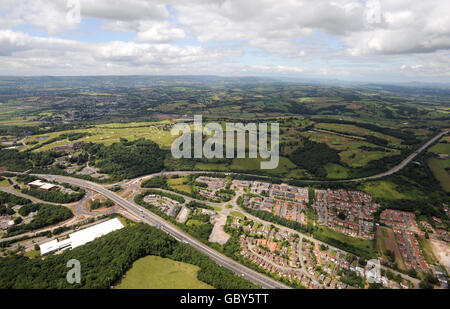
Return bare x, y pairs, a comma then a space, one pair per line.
370, 40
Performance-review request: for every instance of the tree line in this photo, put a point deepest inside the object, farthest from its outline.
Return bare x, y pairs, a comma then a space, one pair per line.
105, 260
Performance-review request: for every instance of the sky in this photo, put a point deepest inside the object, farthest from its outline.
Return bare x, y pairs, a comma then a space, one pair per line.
355, 40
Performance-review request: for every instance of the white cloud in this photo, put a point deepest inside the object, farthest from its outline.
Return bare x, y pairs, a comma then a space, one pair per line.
40, 52
159, 33
129, 10
407, 27
322, 37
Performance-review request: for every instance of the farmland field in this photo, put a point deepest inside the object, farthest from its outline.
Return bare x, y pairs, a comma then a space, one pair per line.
153, 272
355, 130
386, 242
383, 189
357, 246
178, 184
336, 171
441, 148
440, 172
110, 133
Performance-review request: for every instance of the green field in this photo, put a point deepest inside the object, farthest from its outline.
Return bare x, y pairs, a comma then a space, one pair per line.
248, 164
428, 250
336, 171
178, 184
297, 173
285, 166
441, 148
108, 134
383, 189
4, 183
211, 167
238, 214
438, 169
350, 151
33, 254
385, 241
154, 272
194, 223
366, 248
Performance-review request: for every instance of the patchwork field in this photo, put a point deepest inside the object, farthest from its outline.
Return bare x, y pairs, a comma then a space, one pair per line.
382, 189
354, 245
178, 184
427, 250
248, 164
438, 168
351, 150
386, 242
108, 134
355, 130
154, 272
441, 148
336, 171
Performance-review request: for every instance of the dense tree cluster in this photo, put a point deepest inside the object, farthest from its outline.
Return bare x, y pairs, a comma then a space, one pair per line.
55, 196
46, 215
351, 278
201, 229
11, 199
314, 156
195, 204
127, 159
96, 204
7, 201
174, 197
105, 260
15, 160
155, 182
25, 160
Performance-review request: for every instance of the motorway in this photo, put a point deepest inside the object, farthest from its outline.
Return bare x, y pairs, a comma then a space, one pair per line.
405, 162
152, 219
393, 170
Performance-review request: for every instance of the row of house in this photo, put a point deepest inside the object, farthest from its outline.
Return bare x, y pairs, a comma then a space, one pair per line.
410, 250
400, 219
347, 212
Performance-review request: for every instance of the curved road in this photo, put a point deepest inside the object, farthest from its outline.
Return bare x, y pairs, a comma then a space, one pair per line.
393, 170
404, 162
152, 219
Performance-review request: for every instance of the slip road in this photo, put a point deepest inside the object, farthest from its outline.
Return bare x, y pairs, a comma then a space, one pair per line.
154, 220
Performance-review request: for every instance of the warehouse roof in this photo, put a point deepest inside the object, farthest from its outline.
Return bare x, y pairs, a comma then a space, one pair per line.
82, 237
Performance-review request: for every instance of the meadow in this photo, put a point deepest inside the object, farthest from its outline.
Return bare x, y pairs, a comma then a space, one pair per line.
108, 134
383, 189
440, 173
154, 272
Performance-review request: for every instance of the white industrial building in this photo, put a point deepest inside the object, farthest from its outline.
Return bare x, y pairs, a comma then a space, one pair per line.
82, 237
42, 185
